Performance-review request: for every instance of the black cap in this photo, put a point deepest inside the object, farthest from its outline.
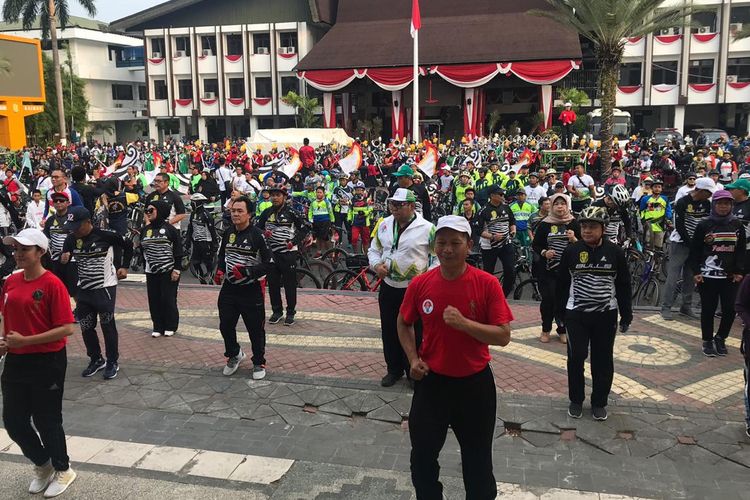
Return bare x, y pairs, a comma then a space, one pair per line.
76, 216
495, 189
278, 189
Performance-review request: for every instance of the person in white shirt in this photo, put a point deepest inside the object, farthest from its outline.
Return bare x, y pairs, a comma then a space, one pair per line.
581, 187
687, 187
446, 179
534, 191
224, 180
35, 211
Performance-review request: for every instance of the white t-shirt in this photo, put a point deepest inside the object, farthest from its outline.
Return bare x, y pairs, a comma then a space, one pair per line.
35, 214
682, 192
581, 184
533, 194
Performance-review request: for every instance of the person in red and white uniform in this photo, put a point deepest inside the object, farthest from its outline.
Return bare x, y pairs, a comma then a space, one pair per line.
463, 311
567, 118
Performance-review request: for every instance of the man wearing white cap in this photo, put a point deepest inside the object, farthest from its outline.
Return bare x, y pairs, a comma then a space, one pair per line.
567, 118
463, 311
403, 247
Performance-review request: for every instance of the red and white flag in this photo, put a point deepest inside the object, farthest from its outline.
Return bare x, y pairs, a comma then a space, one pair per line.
416, 18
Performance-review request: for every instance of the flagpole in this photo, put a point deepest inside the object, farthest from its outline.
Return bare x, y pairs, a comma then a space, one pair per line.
415, 105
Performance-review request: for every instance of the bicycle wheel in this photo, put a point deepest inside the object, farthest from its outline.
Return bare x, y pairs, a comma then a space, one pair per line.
344, 279
527, 290
306, 279
335, 257
648, 295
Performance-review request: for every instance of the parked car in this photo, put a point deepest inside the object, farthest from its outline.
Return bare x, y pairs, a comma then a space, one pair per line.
703, 137
662, 135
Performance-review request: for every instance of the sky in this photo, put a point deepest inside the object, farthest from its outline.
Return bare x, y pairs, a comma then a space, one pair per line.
110, 10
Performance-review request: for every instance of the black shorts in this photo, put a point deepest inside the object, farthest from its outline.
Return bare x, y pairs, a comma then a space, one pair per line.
322, 230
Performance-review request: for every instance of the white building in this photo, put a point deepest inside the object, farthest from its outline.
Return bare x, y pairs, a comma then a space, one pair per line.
111, 66
219, 69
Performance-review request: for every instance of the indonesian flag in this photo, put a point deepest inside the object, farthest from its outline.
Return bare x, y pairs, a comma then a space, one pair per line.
428, 164
416, 18
353, 160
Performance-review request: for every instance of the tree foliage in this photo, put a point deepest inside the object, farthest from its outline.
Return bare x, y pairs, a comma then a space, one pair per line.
43, 126
305, 107
608, 24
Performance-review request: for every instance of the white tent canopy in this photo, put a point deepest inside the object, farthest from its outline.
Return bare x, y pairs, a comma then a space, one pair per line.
282, 137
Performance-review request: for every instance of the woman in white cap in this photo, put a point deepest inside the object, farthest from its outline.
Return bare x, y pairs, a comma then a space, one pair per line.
37, 318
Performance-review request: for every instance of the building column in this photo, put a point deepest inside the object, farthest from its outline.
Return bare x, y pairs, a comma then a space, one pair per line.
679, 118
545, 106
329, 110
397, 116
153, 129
253, 125
228, 127
202, 129
183, 126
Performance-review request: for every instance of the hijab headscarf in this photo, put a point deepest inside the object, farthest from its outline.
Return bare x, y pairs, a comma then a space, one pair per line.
162, 212
722, 194
554, 219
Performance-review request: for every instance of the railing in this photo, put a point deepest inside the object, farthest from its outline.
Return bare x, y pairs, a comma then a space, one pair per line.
583, 79
131, 63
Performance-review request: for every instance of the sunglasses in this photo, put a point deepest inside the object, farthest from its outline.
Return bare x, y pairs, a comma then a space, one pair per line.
150, 211
397, 204
59, 200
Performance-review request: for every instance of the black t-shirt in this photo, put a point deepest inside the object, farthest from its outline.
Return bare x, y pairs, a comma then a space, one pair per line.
171, 198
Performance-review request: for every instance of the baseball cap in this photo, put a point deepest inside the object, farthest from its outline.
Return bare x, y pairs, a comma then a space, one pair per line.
705, 183
739, 184
495, 189
455, 222
29, 237
404, 171
61, 194
403, 194
722, 194
76, 215
278, 189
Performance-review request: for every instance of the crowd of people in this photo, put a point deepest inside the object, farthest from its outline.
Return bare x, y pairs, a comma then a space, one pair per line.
240, 217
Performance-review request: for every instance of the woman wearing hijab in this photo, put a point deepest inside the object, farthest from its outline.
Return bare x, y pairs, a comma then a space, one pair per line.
552, 235
717, 253
163, 252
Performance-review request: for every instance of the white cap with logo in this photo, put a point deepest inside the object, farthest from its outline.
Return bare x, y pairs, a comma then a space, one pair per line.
455, 222
29, 237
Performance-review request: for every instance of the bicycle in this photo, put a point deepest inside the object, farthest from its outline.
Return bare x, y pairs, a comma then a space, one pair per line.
647, 291
356, 276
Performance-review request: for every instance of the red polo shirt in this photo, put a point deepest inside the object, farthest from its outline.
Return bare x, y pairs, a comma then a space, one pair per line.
477, 295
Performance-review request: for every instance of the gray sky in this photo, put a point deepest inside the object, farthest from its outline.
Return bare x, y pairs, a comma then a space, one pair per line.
109, 10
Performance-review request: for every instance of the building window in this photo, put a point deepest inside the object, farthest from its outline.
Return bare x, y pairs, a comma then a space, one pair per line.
314, 93
630, 74
261, 43
211, 85
236, 88
289, 83
185, 89
122, 92
701, 71
288, 39
739, 15
263, 87
738, 69
208, 43
182, 43
264, 123
234, 45
664, 73
142, 93
160, 90
157, 47
705, 22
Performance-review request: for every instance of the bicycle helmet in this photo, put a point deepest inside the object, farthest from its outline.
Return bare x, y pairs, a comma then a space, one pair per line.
594, 214
198, 198
619, 195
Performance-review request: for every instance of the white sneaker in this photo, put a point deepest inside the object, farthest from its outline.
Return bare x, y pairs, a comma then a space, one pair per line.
259, 372
60, 482
155, 334
43, 476
168, 333
233, 364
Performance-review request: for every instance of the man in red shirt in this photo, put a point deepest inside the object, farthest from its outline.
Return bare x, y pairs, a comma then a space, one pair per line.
307, 157
463, 311
567, 118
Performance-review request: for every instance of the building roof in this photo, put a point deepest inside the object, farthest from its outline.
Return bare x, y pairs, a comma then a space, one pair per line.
469, 31
183, 13
73, 22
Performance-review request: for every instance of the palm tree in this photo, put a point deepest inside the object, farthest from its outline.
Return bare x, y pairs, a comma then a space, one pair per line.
51, 13
608, 24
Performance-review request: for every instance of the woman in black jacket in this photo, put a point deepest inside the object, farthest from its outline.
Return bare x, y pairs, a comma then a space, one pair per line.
163, 251
551, 236
717, 253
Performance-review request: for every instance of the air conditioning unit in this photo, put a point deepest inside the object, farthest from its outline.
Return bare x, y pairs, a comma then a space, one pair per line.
118, 105
669, 31
207, 52
209, 95
735, 28
283, 50
179, 53
705, 29
156, 55
731, 78
291, 50
263, 50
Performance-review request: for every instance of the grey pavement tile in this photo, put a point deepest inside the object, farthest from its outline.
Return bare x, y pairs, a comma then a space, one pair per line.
742, 455
541, 424
317, 396
692, 454
729, 433
540, 439
363, 403
337, 407
290, 399
385, 413
402, 404
517, 413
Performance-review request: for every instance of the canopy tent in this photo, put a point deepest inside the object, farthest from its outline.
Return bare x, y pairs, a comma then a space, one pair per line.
282, 137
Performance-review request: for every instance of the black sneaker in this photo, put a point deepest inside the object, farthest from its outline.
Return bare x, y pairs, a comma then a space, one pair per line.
688, 311
599, 413
575, 410
389, 379
709, 349
111, 370
666, 315
275, 318
721, 346
289, 320
94, 366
